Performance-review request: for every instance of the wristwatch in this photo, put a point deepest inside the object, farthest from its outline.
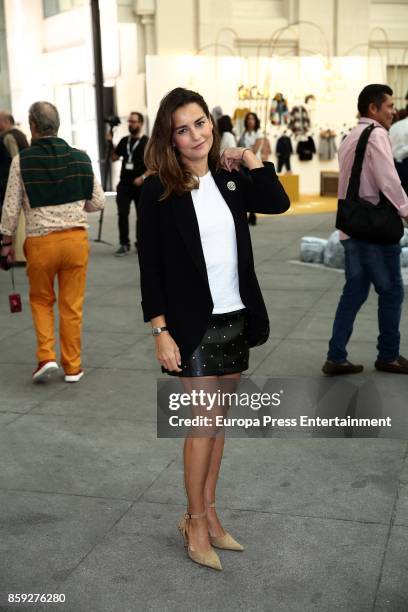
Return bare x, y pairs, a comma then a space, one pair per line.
143, 177
156, 331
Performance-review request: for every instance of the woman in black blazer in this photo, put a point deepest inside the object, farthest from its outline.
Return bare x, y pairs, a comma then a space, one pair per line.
198, 283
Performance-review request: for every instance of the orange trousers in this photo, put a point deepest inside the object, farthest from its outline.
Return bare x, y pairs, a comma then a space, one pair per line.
64, 255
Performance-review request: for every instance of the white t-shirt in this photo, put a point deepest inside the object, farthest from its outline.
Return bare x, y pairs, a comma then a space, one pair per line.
227, 141
219, 242
250, 139
399, 139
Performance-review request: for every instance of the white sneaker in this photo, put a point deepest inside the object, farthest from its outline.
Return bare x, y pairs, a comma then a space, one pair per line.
73, 378
45, 370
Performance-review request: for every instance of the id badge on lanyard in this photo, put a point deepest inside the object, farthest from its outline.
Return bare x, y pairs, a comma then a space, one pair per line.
129, 164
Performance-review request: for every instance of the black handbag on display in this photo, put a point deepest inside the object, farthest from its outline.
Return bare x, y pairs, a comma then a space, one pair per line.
379, 223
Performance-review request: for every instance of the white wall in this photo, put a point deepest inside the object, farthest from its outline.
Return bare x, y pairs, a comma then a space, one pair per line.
4, 73
25, 41
176, 26
353, 25
52, 59
393, 18
321, 13
251, 19
259, 19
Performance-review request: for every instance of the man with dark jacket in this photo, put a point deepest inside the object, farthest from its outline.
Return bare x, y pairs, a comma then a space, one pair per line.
133, 172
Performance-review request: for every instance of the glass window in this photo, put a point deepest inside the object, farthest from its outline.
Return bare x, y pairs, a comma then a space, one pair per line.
53, 7
76, 107
397, 77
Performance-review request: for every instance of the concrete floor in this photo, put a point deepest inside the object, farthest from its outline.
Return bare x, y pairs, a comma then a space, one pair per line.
90, 498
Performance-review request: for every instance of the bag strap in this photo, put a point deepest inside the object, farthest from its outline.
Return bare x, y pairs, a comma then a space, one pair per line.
354, 182
12, 278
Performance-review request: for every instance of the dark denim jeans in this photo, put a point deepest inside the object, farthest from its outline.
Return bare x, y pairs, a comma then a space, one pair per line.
367, 263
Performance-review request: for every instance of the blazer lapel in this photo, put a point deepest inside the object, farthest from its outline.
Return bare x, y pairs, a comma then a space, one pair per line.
186, 220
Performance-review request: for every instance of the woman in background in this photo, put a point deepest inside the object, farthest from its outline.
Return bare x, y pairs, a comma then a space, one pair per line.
252, 138
225, 130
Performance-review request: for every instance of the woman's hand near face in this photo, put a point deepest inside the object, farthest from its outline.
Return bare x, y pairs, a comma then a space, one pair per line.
233, 157
167, 352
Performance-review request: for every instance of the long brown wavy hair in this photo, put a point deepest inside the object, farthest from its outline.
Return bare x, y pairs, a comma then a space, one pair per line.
162, 158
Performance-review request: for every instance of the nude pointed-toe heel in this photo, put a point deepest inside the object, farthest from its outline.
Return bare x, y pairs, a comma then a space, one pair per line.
226, 541
208, 558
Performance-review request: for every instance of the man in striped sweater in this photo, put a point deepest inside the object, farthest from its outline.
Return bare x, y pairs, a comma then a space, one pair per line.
55, 186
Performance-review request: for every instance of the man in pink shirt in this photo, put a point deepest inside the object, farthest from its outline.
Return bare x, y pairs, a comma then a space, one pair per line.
367, 262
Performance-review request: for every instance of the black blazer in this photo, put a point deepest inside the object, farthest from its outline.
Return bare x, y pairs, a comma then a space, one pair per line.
173, 273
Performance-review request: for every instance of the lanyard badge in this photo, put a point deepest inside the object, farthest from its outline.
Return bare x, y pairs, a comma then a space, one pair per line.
129, 164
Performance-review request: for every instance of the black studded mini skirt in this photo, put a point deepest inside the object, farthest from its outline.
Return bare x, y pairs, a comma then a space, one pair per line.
224, 348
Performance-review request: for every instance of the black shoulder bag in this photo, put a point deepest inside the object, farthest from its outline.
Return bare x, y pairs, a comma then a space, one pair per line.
379, 223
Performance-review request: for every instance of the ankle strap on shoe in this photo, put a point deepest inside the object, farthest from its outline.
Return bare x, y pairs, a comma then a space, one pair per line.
188, 515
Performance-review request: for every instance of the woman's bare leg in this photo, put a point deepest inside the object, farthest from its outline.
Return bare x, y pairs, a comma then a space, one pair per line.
229, 385
197, 459
214, 525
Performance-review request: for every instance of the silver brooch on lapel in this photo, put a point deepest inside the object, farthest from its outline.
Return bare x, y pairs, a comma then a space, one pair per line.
231, 185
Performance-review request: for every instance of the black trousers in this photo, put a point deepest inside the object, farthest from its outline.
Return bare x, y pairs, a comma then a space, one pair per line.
124, 198
283, 160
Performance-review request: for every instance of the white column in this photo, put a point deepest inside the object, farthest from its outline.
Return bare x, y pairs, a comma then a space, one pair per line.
149, 34
145, 11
